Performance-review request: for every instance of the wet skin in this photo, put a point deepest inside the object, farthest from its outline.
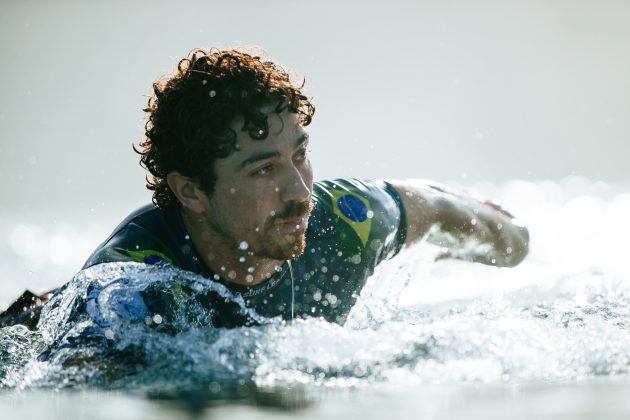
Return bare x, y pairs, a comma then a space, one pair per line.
257, 215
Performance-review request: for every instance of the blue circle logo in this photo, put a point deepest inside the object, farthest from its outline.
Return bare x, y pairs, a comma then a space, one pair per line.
152, 259
352, 207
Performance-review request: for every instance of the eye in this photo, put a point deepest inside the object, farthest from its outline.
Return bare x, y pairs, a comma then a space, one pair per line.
263, 170
302, 154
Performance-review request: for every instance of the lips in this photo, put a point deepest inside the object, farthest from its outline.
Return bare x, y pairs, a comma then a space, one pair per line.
293, 224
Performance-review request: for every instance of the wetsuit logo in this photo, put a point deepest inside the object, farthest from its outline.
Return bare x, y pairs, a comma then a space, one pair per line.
355, 211
149, 256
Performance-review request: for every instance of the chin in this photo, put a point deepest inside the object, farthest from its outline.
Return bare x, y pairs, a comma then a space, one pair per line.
287, 248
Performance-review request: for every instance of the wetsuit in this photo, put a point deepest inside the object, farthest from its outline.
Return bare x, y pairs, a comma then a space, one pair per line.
353, 227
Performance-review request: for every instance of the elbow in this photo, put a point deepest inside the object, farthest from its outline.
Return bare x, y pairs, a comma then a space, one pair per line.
518, 249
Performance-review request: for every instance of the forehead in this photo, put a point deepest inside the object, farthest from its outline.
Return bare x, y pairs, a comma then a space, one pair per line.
283, 128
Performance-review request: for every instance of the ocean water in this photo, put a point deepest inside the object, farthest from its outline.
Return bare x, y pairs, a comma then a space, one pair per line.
448, 339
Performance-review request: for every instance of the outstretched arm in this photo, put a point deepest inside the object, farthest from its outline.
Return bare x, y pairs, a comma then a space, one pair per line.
468, 228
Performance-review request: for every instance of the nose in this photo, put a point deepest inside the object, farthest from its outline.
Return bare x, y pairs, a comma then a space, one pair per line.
296, 187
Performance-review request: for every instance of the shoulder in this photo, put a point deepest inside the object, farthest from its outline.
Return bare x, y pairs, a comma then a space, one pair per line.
358, 211
148, 235
355, 197
357, 201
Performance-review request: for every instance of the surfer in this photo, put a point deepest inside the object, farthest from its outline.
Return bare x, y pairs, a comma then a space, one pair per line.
234, 200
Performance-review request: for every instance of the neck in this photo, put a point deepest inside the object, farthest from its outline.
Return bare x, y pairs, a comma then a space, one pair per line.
224, 258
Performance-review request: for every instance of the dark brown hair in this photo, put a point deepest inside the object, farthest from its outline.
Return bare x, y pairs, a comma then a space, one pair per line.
188, 127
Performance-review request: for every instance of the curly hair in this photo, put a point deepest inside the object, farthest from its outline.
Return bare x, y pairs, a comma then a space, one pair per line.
190, 116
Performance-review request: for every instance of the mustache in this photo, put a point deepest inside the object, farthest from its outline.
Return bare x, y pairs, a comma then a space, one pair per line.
293, 210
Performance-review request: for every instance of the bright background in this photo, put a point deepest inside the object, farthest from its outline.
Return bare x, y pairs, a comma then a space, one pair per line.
463, 91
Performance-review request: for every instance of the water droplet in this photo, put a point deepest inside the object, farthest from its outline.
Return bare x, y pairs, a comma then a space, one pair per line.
370, 214
278, 268
249, 278
213, 93
272, 213
187, 237
214, 387
242, 259
243, 245
250, 269
356, 259
473, 222
508, 250
324, 269
232, 274
157, 318
499, 226
335, 278
109, 334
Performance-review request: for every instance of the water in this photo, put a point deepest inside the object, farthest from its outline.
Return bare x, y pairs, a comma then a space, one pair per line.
548, 339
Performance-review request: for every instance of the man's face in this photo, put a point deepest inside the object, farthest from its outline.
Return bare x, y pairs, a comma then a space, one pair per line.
262, 197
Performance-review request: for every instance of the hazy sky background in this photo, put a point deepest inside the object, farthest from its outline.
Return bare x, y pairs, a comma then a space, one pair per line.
448, 90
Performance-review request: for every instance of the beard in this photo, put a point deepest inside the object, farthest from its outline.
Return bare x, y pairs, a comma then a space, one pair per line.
273, 238
279, 244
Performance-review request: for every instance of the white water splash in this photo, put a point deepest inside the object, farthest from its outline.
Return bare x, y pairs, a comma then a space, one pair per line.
561, 316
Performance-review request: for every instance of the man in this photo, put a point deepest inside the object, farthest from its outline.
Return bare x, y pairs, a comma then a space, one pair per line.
234, 201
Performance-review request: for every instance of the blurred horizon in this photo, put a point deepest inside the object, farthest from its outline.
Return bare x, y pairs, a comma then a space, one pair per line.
446, 90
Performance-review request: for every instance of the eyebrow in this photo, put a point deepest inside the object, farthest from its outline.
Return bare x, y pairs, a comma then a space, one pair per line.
268, 155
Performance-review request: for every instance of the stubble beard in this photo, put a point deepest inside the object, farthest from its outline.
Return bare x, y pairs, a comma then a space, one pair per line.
282, 246
269, 241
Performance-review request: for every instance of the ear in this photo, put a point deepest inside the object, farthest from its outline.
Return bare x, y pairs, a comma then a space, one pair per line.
187, 192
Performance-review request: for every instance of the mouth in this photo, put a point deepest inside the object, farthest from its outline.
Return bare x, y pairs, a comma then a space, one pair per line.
293, 225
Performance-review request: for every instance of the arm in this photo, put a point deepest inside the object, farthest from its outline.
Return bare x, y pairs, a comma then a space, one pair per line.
469, 229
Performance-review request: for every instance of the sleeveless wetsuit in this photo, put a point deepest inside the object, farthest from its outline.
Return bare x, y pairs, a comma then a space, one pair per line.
353, 227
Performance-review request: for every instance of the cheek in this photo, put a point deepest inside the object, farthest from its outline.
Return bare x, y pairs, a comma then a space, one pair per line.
250, 208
